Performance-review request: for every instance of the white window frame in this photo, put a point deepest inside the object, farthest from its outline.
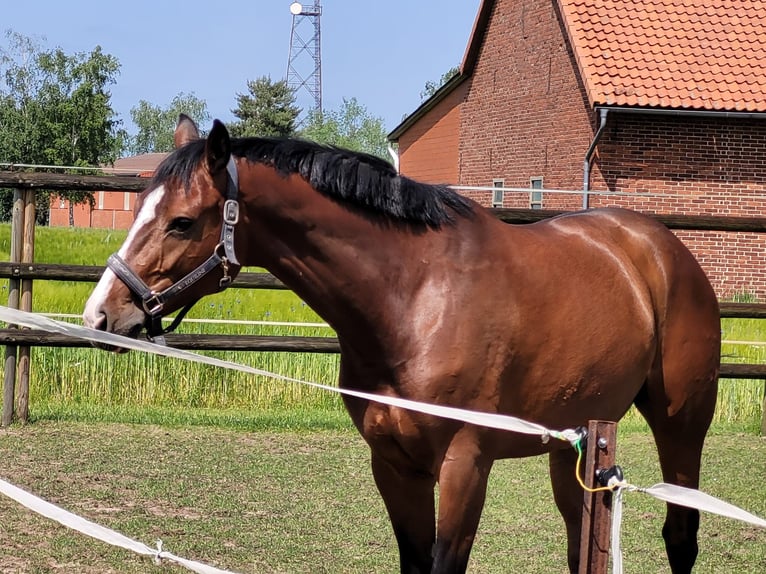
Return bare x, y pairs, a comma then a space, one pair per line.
536, 196
498, 192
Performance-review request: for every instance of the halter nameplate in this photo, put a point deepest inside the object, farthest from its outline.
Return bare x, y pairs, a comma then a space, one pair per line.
154, 302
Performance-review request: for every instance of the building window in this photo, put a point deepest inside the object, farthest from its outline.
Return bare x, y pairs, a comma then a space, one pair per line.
100, 195
536, 195
126, 201
498, 192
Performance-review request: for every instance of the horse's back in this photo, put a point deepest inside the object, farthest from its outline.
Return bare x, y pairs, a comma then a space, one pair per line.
667, 265
672, 274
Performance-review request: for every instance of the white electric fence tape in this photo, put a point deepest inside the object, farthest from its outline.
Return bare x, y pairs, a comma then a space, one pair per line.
616, 544
100, 532
672, 493
666, 492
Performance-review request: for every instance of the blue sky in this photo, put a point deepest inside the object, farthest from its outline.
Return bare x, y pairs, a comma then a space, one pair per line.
380, 52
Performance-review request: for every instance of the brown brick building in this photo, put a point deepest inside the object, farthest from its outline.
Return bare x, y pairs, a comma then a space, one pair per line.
655, 105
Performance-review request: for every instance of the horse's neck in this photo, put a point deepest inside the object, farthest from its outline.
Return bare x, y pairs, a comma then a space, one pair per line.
341, 263
348, 281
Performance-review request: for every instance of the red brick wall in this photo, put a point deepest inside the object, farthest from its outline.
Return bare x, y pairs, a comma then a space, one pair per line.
428, 151
59, 213
111, 218
111, 215
693, 165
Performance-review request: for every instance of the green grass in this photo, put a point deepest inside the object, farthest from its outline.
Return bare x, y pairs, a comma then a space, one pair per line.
77, 383
740, 400
305, 502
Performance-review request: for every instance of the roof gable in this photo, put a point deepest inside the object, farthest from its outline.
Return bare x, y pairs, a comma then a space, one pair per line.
466, 69
685, 54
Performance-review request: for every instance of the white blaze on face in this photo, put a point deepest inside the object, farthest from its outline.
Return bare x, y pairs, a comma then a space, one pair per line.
145, 217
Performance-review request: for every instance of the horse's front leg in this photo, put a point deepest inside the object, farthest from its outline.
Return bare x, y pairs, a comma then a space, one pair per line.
568, 496
409, 498
462, 491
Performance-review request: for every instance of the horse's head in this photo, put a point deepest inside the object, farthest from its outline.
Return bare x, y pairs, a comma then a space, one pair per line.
181, 244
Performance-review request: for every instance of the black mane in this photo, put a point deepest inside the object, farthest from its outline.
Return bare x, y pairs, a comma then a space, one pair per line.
357, 178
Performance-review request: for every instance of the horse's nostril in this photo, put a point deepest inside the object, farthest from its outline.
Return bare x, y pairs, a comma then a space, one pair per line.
100, 322
94, 319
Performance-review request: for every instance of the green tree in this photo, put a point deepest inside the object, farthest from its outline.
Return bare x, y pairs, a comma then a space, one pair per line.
20, 136
268, 109
79, 121
350, 127
432, 87
156, 125
55, 110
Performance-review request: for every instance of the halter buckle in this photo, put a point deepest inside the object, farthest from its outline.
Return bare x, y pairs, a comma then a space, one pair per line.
153, 305
231, 212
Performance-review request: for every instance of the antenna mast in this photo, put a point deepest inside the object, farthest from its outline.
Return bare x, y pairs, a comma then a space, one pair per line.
304, 64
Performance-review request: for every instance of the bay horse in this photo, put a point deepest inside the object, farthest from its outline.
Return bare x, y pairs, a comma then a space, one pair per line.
434, 299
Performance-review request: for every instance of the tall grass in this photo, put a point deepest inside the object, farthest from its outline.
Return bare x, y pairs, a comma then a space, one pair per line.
744, 341
66, 378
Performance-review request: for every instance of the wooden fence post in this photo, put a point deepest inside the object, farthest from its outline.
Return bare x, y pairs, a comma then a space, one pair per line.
27, 256
597, 506
11, 351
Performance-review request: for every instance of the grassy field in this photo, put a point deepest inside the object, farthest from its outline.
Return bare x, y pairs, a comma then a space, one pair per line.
304, 502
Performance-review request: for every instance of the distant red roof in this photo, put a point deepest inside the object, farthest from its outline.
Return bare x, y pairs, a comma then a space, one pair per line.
140, 165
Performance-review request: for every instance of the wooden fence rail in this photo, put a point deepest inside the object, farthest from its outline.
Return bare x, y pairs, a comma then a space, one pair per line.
194, 342
68, 182
87, 273
21, 271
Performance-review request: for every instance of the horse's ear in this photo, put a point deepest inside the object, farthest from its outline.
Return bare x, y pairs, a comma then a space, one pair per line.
186, 131
217, 148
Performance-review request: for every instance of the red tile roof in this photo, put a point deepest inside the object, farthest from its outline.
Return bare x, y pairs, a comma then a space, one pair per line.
688, 54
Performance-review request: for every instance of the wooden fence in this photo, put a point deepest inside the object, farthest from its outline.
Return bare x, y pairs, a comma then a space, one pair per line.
21, 271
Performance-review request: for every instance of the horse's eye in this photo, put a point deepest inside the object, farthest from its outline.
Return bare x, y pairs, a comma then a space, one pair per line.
180, 224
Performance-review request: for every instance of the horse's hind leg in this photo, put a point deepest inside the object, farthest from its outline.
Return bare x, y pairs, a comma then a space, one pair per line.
679, 432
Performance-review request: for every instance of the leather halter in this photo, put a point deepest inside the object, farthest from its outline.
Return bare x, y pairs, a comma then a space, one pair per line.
223, 255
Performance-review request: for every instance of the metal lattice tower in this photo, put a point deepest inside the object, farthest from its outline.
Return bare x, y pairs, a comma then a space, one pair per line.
304, 65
